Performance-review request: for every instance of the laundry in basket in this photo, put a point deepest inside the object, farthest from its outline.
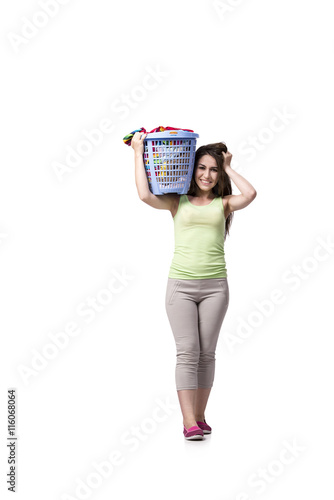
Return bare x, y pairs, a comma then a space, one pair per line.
169, 156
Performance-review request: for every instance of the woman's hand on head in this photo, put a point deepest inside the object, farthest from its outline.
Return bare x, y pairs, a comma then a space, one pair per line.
137, 142
227, 157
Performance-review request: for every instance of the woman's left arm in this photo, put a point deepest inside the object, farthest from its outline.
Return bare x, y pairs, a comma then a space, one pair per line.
248, 193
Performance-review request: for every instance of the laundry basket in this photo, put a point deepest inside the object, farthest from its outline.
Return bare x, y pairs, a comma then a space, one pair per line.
169, 158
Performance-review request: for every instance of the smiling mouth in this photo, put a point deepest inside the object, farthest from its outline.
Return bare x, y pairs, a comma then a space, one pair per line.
205, 182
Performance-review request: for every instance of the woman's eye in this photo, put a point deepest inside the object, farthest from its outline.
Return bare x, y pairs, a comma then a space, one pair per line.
213, 169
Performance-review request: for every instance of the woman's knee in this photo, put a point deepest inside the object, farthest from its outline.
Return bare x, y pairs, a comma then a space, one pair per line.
206, 358
191, 356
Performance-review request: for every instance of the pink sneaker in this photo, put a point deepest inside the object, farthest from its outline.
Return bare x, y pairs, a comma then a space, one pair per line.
193, 432
205, 427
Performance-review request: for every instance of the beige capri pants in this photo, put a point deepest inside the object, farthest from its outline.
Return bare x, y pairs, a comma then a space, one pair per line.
196, 309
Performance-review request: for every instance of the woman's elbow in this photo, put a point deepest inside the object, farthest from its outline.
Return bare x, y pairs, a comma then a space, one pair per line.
253, 194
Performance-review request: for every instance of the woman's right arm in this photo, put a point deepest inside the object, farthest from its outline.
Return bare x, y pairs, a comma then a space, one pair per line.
163, 202
137, 144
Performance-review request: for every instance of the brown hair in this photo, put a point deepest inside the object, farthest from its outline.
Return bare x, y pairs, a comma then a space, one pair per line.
223, 186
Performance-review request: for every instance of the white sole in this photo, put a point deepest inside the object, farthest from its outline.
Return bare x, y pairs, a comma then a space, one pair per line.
196, 437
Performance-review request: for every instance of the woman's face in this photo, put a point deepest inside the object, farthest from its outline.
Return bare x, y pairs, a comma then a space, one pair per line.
206, 173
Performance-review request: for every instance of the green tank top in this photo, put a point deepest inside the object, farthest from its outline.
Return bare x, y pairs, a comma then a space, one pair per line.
199, 240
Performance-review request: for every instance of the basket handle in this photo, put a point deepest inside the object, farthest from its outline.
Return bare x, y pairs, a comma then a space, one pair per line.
127, 139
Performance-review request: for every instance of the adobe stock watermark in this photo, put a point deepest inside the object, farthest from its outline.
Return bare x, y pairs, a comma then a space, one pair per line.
266, 475
88, 310
225, 7
131, 440
294, 277
122, 107
30, 28
255, 144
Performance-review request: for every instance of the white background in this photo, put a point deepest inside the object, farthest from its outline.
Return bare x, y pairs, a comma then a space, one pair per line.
225, 72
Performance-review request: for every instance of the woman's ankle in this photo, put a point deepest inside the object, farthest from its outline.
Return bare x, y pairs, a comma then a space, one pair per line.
189, 423
199, 418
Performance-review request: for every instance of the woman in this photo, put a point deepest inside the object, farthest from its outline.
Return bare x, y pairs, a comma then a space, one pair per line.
197, 294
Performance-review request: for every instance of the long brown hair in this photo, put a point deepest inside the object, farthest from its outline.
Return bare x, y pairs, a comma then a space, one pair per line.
223, 186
